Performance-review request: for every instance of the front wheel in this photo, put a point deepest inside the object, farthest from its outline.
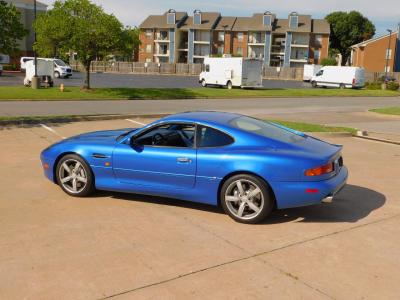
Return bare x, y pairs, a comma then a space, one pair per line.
203, 83
229, 85
246, 199
75, 176
56, 74
314, 84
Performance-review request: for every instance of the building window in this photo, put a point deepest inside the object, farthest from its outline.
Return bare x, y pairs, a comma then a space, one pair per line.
221, 36
318, 40
148, 48
171, 18
220, 50
317, 54
197, 17
149, 33
293, 20
240, 36
239, 51
267, 20
388, 53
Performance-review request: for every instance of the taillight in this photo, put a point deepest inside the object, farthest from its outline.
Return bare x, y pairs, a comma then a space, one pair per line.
354, 81
325, 169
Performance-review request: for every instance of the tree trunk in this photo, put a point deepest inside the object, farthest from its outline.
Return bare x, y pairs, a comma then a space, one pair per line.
86, 84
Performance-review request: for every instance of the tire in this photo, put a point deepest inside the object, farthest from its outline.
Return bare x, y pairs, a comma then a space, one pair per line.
314, 84
81, 182
242, 208
203, 83
56, 74
229, 85
342, 86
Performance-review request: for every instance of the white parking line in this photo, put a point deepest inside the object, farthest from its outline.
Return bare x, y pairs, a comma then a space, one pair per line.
52, 131
135, 122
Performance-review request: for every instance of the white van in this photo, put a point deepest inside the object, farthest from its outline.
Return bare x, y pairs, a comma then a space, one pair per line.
342, 77
232, 71
61, 69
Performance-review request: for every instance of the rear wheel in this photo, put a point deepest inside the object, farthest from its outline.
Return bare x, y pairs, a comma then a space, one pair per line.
246, 198
75, 176
342, 86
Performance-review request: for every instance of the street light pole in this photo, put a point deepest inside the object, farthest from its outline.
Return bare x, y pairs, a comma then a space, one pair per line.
387, 55
35, 80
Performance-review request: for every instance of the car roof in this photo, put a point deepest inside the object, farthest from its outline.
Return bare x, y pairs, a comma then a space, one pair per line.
210, 117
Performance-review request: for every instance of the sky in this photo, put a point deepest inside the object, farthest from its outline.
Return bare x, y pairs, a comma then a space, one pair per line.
385, 14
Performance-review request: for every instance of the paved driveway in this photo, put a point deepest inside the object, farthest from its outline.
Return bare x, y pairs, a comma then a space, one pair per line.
124, 246
140, 81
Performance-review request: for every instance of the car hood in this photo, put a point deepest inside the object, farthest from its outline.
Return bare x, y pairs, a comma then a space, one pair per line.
101, 135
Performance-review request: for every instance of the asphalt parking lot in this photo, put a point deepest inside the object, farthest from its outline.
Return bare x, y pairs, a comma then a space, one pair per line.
109, 80
124, 246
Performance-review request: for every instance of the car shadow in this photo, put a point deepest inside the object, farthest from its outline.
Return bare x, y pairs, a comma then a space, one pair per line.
350, 205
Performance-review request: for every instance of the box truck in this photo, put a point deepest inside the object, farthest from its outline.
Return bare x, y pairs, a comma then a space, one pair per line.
61, 69
310, 71
232, 72
45, 70
341, 77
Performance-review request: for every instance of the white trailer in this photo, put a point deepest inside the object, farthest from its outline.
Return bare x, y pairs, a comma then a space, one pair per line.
342, 77
232, 71
310, 71
45, 70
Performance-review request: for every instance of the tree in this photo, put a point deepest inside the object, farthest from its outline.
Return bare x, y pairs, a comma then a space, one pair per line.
129, 43
11, 28
86, 29
329, 61
348, 29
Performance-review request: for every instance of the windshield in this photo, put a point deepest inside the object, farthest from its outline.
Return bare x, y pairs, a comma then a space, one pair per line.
267, 129
60, 63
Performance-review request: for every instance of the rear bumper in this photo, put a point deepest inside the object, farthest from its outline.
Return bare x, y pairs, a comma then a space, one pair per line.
296, 194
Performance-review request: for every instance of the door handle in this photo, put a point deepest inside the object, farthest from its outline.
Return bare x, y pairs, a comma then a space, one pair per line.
183, 160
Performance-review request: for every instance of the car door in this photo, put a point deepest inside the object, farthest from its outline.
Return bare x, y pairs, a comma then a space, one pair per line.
160, 159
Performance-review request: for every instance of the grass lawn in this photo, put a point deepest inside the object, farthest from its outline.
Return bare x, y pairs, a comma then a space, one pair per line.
303, 127
388, 110
75, 93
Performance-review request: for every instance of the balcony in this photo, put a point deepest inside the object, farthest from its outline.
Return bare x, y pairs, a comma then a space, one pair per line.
256, 39
202, 37
161, 37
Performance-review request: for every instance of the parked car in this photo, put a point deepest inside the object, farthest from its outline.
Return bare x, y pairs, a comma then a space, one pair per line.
341, 77
310, 71
232, 72
45, 70
247, 166
61, 69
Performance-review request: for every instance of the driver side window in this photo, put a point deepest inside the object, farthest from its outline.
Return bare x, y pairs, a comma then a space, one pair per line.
168, 135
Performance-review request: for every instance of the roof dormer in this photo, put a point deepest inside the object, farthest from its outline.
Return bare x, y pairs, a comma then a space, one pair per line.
267, 19
171, 17
197, 17
294, 20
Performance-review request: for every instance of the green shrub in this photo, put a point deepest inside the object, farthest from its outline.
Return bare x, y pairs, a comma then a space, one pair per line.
329, 61
10, 67
393, 86
373, 85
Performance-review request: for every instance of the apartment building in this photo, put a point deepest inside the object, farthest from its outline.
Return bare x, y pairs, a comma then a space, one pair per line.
25, 7
379, 54
290, 42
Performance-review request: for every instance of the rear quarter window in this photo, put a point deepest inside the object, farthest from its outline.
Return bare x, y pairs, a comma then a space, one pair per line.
210, 137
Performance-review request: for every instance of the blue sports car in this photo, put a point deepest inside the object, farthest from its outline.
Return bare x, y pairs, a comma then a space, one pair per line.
246, 165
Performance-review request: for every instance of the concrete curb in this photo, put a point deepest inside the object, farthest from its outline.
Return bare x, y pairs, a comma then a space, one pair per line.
377, 140
68, 119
